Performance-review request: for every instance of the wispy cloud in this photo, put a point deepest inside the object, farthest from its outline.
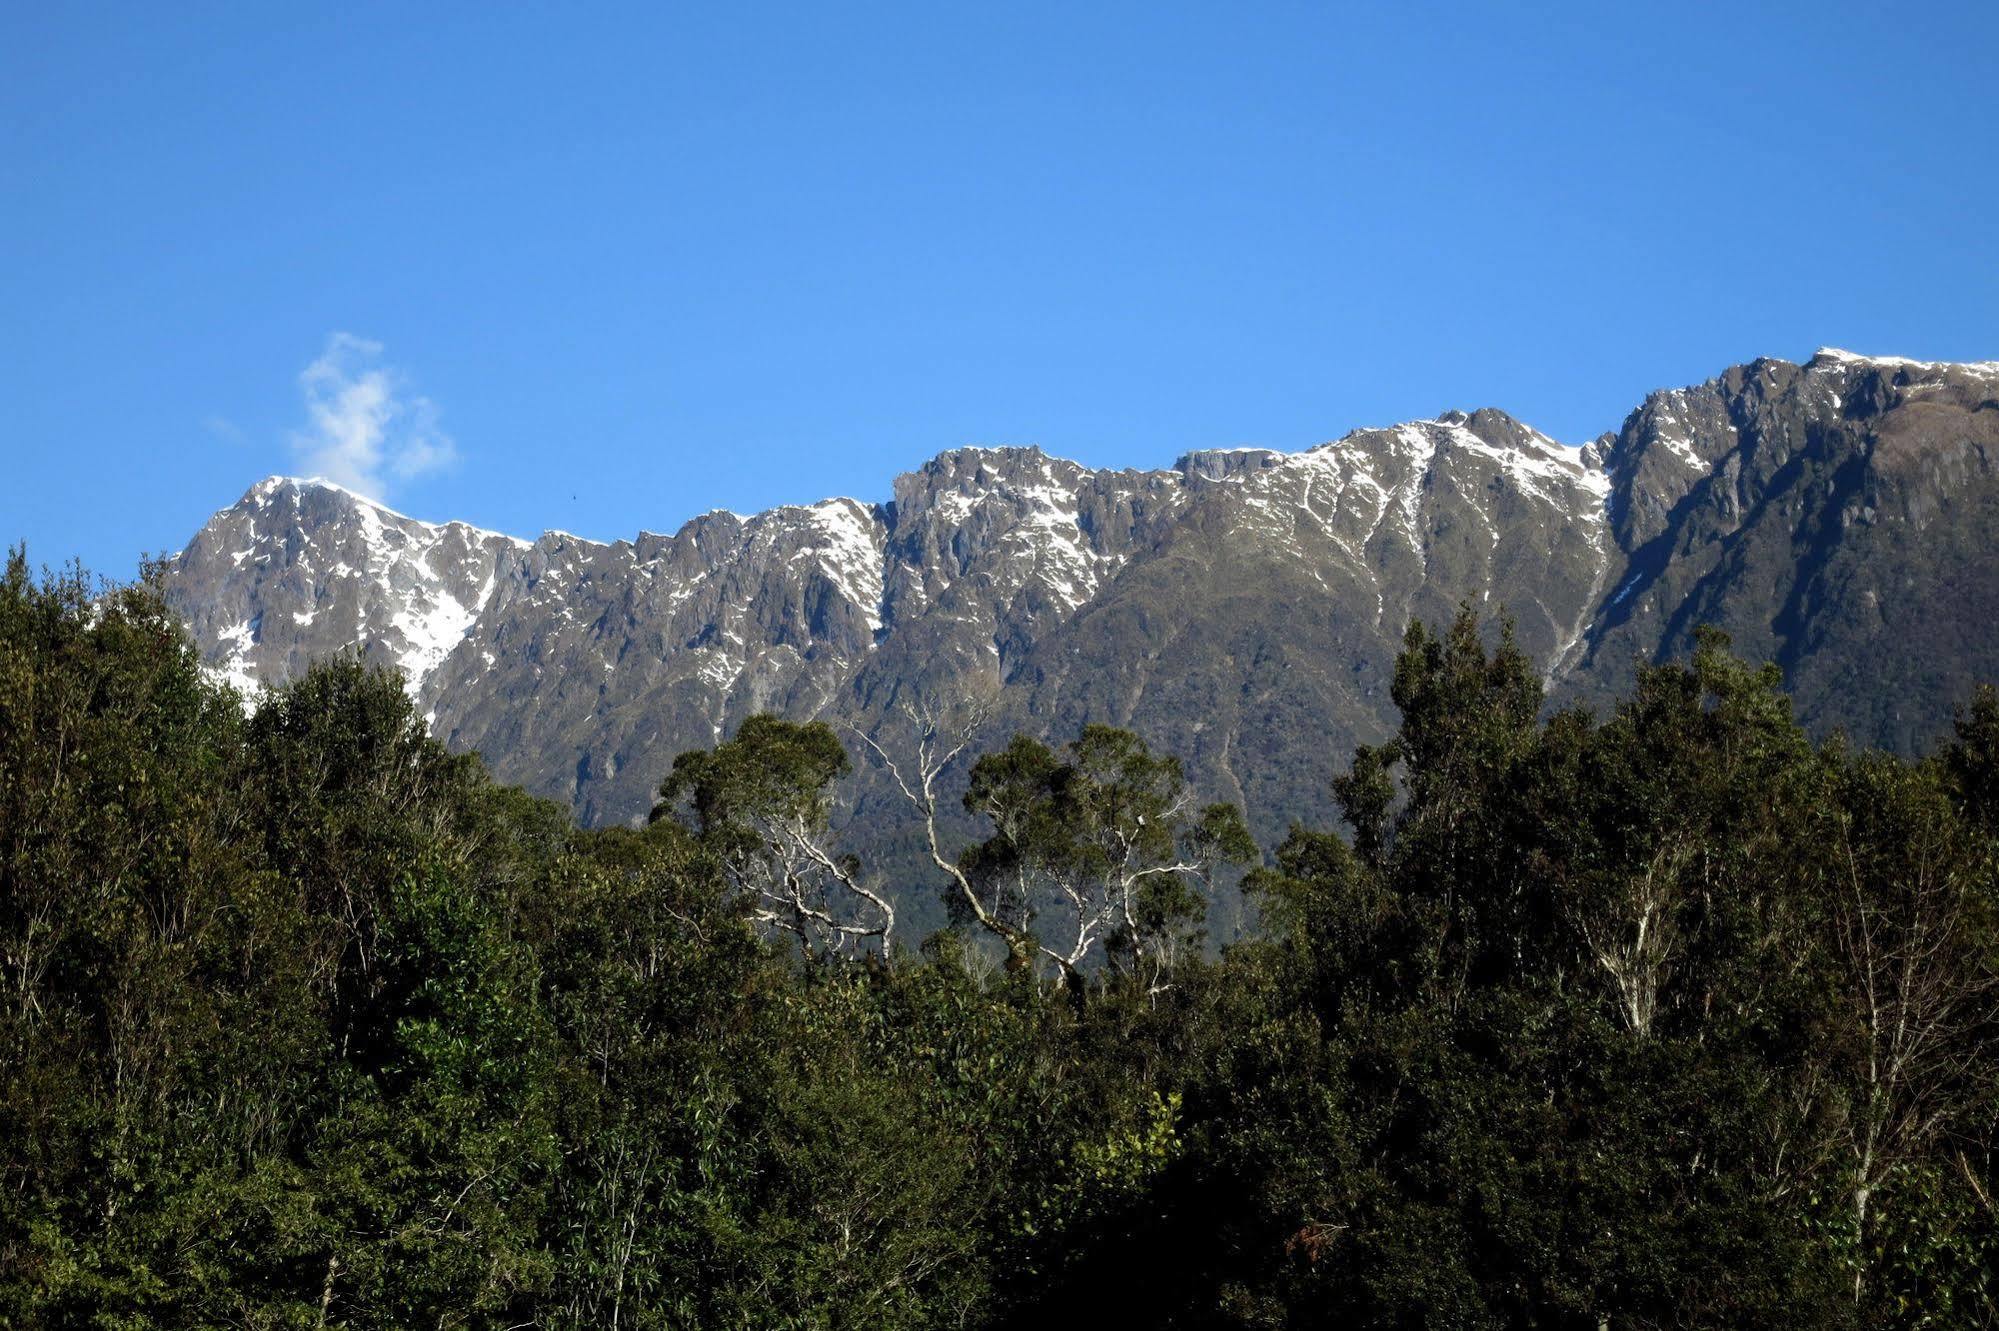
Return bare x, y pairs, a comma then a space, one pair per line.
366, 430
226, 430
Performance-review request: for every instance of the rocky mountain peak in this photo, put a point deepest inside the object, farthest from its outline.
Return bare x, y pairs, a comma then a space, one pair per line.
1234, 607
1226, 464
304, 568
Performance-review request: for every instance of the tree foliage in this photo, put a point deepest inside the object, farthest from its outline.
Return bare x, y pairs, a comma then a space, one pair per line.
1669, 1018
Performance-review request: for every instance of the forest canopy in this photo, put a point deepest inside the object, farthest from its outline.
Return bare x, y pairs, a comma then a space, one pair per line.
1669, 1017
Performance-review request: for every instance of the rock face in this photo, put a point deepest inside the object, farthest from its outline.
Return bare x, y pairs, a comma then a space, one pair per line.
299, 569
1241, 609
1838, 518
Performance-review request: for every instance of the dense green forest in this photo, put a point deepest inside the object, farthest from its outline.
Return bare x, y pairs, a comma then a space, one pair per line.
1665, 1018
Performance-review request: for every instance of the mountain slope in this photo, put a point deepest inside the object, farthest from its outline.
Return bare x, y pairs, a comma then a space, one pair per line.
1241, 608
1837, 518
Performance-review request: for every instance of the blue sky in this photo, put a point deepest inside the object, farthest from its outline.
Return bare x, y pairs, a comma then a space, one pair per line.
602, 268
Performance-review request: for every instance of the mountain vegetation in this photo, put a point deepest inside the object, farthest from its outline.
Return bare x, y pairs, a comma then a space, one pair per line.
1664, 1015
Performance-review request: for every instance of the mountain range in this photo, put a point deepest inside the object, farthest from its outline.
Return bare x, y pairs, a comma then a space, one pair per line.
1241, 609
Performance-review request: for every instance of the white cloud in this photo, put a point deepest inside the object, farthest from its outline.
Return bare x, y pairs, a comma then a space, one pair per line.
365, 428
228, 431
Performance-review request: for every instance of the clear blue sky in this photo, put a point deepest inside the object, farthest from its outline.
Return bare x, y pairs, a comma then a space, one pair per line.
603, 268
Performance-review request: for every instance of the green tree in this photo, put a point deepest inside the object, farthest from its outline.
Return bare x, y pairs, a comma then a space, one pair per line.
760, 804
1107, 851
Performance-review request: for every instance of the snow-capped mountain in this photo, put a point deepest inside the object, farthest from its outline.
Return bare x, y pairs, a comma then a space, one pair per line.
1241, 608
341, 571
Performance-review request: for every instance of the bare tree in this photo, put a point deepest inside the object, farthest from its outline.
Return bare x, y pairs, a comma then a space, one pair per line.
1919, 987
1632, 930
937, 737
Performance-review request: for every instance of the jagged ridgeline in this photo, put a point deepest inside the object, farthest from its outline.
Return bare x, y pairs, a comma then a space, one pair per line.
1241, 609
